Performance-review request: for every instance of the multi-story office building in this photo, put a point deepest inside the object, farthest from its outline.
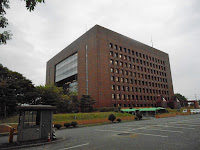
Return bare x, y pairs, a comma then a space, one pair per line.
114, 69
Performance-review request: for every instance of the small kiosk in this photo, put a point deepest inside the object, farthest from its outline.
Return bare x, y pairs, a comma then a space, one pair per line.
35, 122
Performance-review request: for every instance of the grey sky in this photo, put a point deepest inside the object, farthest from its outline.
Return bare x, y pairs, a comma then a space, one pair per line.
173, 24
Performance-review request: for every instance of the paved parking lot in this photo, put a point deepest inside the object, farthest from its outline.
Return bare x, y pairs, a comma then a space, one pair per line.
180, 132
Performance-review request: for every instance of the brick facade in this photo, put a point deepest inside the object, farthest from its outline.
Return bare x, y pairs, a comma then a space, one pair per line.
121, 71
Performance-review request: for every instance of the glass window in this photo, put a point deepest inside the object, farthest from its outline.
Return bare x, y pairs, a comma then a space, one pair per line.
66, 68
32, 118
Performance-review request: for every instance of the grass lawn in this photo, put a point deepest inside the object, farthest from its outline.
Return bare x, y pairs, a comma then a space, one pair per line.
71, 117
86, 116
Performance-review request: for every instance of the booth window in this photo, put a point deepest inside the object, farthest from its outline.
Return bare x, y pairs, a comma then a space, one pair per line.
32, 118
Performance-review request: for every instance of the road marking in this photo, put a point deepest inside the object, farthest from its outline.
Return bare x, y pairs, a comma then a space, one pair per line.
75, 146
166, 130
164, 136
177, 127
188, 125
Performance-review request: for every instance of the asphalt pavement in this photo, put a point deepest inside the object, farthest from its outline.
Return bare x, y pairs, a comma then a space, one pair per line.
174, 133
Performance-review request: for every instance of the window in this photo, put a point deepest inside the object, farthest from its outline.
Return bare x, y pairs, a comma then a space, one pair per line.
128, 97
111, 61
113, 96
111, 45
116, 55
116, 62
111, 53
120, 48
127, 88
122, 80
118, 88
123, 96
117, 79
117, 71
113, 87
66, 68
121, 63
122, 71
116, 47
118, 96
32, 118
112, 70
120, 56
112, 78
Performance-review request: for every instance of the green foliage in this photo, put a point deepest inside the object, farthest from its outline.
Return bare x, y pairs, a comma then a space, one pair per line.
67, 125
86, 103
119, 120
111, 117
181, 98
74, 124
4, 4
58, 126
13, 89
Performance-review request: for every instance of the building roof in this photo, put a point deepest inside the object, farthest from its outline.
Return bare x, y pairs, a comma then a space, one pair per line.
36, 107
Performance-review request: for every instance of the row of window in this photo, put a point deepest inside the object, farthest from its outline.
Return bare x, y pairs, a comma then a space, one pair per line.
137, 54
138, 82
134, 97
134, 105
136, 75
125, 64
138, 90
139, 69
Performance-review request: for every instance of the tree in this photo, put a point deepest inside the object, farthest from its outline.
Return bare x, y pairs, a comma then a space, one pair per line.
86, 103
181, 98
13, 89
4, 4
111, 117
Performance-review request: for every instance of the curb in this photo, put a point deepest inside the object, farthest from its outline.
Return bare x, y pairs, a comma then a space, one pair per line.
31, 145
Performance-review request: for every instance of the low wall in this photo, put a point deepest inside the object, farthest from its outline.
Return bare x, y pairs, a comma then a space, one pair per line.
165, 115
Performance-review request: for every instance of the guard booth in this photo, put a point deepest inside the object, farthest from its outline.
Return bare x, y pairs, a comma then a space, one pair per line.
35, 122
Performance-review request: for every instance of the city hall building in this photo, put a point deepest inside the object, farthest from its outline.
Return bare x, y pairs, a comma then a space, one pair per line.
114, 69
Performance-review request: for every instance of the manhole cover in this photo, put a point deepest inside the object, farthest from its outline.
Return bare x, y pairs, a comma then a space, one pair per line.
124, 133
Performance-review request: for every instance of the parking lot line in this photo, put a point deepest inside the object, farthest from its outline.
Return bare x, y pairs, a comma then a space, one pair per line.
178, 127
190, 125
166, 130
164, 136
75, 146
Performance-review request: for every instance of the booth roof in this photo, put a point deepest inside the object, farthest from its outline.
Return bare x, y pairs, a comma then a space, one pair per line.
36, 107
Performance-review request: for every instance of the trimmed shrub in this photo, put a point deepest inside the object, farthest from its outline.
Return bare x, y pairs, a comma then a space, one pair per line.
67, 125
111, 117
74, 124
58, 126
108, 109
119, 120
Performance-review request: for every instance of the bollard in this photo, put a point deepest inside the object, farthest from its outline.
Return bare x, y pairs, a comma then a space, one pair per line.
49, 137
11, 130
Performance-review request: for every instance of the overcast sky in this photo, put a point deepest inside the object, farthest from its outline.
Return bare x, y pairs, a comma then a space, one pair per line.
173, 24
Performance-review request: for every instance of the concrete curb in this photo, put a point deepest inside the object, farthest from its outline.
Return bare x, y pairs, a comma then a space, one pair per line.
33, 145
